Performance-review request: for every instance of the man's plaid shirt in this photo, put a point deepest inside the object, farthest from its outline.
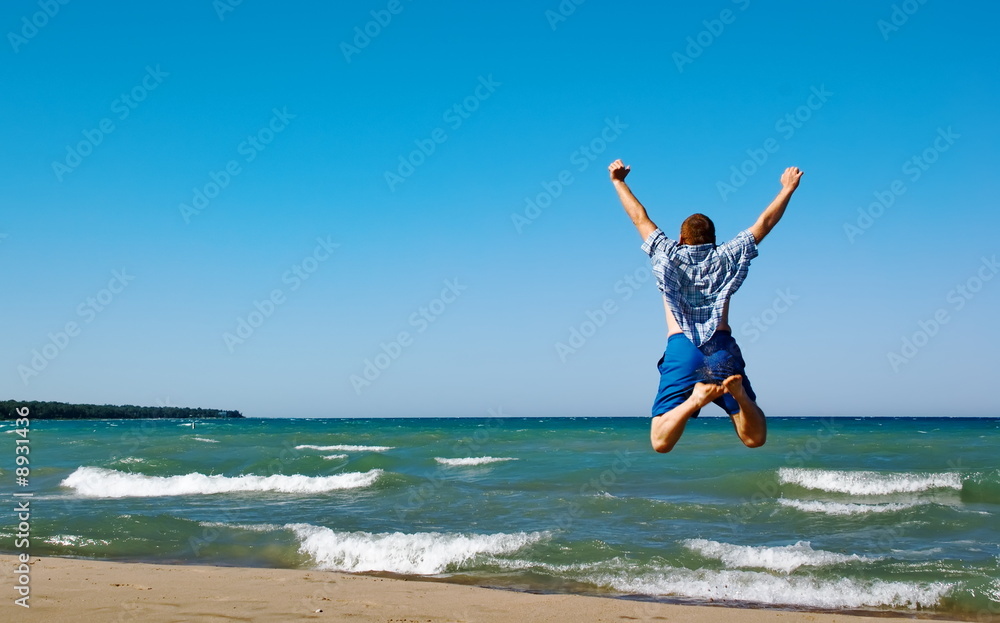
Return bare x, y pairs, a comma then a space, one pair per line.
697, 280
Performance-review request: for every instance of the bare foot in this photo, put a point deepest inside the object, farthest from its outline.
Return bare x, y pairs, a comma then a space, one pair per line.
704, 393
734, 386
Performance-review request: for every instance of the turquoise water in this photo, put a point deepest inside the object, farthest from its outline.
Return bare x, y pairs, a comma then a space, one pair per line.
846, 514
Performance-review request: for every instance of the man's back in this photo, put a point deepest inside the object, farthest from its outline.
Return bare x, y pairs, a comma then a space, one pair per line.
698, 280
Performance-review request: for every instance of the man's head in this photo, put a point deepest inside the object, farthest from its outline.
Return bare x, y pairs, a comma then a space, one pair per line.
697, 229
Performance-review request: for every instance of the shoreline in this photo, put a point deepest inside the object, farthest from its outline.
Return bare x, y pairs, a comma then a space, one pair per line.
77, 589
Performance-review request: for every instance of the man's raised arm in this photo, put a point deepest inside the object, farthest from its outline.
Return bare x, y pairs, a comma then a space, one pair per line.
773, 213
635, 211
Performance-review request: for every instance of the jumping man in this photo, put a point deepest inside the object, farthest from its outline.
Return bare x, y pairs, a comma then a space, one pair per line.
702, 362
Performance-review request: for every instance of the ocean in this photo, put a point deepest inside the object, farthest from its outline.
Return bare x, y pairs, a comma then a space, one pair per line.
892, 515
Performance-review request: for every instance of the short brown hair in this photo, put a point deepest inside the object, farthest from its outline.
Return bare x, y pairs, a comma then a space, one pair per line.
697, 229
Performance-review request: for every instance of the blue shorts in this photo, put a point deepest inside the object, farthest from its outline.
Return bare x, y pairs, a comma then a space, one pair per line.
682, 365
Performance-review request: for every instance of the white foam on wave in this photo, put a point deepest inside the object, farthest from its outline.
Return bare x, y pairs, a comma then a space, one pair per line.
842, 508
205, 439
73, 540
344, 448
258, 527
98, 482
476, 460
130, 459
335, 456
867, 482
993, 592
422, 553
765, 588
784, 558
572, 570
630, 577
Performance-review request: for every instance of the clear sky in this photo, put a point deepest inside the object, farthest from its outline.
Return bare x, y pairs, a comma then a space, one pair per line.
243, 205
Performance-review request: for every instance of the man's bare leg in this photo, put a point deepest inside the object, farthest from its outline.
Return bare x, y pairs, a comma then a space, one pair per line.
749, 422
668, 427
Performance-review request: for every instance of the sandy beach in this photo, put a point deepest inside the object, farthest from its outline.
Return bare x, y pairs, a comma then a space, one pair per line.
67, 590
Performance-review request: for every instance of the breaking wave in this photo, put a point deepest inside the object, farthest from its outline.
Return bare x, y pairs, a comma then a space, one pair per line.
98, 482
708, 585
344, 448
841, 508
478, 460
423, 553
866, 482
785, 558
765, 588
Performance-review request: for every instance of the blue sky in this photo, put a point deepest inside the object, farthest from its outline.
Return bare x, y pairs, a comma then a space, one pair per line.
242, 206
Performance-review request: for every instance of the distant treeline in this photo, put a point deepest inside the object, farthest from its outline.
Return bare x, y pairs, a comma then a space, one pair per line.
64, 411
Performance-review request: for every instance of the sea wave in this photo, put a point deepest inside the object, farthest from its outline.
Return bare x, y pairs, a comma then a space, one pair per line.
477, 460
635, 578
867, 482
99, 482
335, 456
344, 448
765, 588
842, 508
784, 558
205, 439
422, 553
982, 487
